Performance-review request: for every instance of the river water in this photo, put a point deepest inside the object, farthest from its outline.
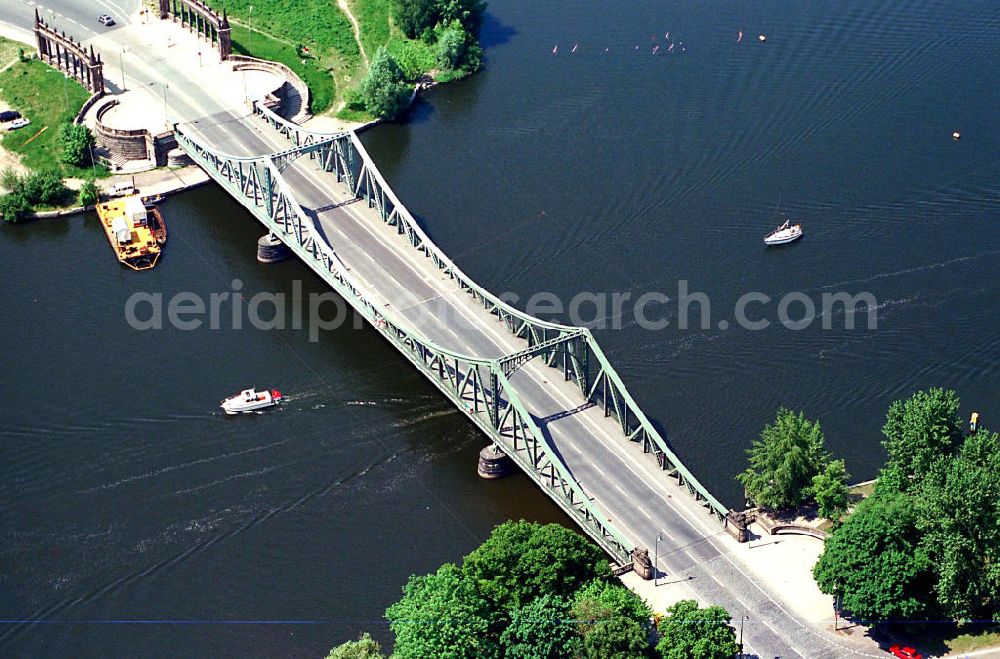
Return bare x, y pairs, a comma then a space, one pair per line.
134, 519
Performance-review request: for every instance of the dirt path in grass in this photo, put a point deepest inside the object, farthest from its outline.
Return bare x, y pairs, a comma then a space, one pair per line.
357, 28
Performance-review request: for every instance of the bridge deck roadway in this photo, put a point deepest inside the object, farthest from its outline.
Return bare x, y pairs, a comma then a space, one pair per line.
639, 498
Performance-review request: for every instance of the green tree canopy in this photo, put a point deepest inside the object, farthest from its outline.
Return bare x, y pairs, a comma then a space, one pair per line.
829, 488
382, 91
13, 207
88, 194
541, 629
450, 49
523, 560
468, 12
77, 141
959, 514
687, 632
616, 637
10, 180
612, 620
918, 432
602, 599
784, 460
441, 615
44, 187
875, 563
363, 648
414, 17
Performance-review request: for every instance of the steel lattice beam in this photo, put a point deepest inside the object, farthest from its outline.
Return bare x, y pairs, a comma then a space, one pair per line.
480, 387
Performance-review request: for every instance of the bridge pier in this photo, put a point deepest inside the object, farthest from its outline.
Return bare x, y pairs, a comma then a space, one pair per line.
270, 249
494, 463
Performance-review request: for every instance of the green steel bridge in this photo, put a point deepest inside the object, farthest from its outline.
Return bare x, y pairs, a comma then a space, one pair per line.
544, 393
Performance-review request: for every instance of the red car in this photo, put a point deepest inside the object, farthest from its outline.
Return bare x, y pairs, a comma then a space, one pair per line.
904, 652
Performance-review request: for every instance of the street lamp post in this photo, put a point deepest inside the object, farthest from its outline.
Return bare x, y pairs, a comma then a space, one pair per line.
166, 86
656, 560
250, 31
742, 620
121, 61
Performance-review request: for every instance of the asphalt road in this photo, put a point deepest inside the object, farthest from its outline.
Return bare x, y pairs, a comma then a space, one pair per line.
77, 18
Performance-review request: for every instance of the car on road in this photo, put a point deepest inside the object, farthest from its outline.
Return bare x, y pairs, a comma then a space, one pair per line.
906, 652
18, 123
9, 115
105, 20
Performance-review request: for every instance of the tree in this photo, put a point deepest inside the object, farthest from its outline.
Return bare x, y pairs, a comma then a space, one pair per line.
918, 432
13, 207
44, 187
88, 194
450, 47
77, 140
687, 632
10, 180
382, 91
364, 648
541, 629
612, 621
523, 560
413, 17
616, 637
783, 461
829, 488
959, 515
874, 561
441, 614
467, 12
602, 599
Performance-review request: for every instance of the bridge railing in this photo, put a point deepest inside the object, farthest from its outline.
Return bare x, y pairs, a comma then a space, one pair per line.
606, 388
479, 387
371, 186
292, 131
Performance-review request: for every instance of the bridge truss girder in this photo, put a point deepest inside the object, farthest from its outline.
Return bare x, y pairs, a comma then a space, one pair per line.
481, 388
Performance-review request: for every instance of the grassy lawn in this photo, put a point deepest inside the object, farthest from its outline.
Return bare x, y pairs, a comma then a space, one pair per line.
8, 51
863, 490
373, 17
43, 95
322, 88
316, 24
975, 640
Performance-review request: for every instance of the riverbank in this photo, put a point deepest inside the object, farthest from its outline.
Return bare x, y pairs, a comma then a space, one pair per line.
333, 48
164, 182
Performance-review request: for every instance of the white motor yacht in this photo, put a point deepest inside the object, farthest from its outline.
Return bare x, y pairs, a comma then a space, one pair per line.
251, 400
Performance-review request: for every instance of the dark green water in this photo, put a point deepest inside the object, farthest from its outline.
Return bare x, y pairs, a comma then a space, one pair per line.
125, 496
